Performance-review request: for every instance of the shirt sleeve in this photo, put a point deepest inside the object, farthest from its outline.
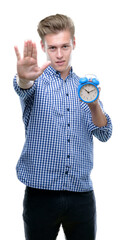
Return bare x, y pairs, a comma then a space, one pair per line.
26, 100
24, 94
102, 133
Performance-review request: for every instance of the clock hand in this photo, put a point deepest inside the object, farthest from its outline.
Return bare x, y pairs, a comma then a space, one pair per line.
87, 90
92, 90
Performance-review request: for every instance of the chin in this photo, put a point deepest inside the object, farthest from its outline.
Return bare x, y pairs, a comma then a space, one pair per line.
60, 69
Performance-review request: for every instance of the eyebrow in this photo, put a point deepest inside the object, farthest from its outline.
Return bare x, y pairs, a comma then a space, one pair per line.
54, 45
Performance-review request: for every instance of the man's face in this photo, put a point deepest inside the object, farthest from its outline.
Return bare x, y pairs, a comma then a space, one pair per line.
58, 48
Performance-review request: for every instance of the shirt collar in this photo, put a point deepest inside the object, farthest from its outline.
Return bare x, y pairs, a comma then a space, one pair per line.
51, 71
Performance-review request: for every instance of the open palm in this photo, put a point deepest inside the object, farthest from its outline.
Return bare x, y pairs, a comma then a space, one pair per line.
27, 67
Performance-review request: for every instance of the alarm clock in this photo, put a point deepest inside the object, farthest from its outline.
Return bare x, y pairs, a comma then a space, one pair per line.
88, 91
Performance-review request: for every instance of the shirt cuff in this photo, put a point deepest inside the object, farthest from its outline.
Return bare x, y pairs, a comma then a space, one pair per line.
24, 84
102, 133
104, 128
24, 93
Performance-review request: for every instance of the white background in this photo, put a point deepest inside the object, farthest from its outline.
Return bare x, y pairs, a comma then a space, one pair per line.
100, 49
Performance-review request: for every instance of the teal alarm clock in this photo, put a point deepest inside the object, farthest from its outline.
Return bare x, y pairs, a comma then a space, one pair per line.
88, 90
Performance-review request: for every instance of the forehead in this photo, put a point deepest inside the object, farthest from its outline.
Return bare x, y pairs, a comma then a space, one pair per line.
59, 38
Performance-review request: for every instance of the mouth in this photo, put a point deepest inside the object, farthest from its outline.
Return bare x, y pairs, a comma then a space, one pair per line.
60, 63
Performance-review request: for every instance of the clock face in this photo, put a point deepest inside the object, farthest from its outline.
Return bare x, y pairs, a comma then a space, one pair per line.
88, 93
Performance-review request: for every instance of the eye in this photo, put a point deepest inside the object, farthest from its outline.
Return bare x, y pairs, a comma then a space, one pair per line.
52, 48
65, 47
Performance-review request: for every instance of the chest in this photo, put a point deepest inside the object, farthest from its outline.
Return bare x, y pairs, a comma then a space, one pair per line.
59, 102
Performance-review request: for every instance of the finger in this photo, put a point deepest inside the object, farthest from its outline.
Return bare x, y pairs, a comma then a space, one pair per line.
17, 53
34, 51
45, 66
25, 49
99, 89
29, 48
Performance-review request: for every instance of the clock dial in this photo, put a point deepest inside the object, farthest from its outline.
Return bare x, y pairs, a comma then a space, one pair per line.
88, 92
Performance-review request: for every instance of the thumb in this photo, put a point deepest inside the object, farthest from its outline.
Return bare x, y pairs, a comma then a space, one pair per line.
99, 89
45, 65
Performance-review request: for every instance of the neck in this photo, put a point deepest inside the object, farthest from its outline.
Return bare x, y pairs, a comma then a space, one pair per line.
65, 73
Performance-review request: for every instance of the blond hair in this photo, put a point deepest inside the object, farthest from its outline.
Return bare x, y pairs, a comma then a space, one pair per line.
55, 24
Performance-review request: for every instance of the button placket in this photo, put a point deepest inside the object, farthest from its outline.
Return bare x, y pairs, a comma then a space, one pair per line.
67, 169
66, 172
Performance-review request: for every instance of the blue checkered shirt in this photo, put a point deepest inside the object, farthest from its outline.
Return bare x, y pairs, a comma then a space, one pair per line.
58, 148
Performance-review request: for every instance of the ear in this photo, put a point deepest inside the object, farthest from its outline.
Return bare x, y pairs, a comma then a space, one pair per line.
42, 45
74, 43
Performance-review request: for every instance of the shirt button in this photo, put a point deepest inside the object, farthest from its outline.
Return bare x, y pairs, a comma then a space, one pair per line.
68, 156
68, 109
68, 140
68, 124
67, 94
68, 166
66, 172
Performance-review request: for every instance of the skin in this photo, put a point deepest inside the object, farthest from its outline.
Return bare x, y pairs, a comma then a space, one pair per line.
27, 66
58, 49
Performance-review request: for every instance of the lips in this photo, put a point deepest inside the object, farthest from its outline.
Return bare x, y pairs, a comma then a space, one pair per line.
60, 62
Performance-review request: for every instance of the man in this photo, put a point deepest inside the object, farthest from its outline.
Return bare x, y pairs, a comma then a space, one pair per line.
57, 156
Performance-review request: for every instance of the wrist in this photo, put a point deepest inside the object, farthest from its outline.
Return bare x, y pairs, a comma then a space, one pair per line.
98, 115
94, 105
24, 83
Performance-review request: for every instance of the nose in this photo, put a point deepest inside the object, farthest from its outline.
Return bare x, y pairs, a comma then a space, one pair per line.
59, 53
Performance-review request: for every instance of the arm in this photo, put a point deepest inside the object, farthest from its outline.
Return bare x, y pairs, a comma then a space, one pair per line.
101, 126
27, 67
98, 117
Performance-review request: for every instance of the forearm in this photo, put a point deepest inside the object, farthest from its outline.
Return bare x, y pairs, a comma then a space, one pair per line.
24, 94
98, 117
24, 84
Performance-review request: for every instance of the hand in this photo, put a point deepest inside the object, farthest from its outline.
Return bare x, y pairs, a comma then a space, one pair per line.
93, 104
27, 67
87, 91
